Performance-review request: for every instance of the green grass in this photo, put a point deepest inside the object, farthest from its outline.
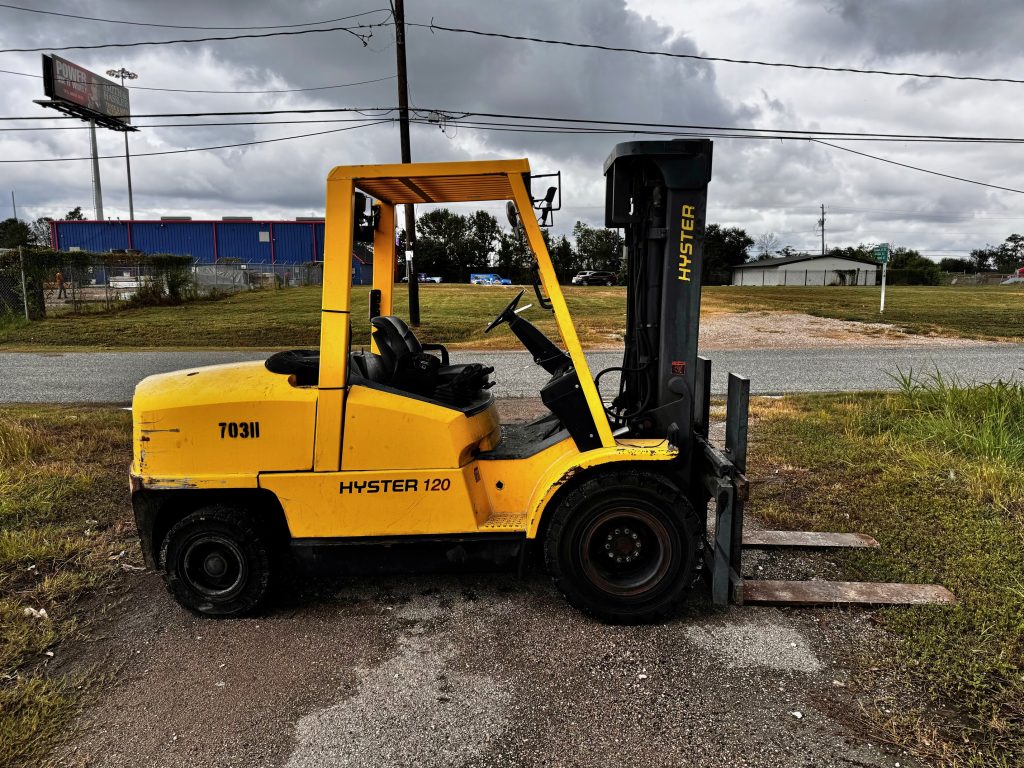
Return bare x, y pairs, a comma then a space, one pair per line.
63, 523
934, 473
457, 314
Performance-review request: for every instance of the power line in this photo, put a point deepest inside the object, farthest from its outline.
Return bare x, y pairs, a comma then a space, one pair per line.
619, 49
363, 38
202, 149
382, 118
916, 168
532, 128
231, 92
184, 26
460, 115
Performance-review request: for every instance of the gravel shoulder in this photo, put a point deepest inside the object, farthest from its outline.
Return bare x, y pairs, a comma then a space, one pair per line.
796, 330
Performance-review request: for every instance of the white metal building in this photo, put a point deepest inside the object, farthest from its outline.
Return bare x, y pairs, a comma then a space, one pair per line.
805, 270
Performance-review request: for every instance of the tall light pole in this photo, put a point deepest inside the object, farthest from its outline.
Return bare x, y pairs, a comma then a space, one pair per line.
124, 74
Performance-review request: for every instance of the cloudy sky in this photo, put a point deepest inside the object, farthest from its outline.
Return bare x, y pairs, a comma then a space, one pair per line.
760, 185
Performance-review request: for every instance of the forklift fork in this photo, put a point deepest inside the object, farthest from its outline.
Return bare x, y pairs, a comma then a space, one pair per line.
723, 475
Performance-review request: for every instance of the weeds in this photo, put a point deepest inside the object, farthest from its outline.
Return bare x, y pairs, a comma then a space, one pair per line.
63, 512
933, 472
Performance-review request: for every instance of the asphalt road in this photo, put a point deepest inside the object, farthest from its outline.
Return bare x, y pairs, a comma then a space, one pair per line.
111, 376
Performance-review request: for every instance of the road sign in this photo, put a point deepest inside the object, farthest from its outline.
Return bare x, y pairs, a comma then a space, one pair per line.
881, 253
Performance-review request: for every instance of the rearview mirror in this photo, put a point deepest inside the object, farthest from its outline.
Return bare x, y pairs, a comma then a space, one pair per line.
512, 214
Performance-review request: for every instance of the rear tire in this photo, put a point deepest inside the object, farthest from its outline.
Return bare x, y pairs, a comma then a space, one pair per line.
624, 547
217, 563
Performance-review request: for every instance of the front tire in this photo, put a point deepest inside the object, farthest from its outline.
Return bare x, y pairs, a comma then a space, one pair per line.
624, 547
216, 563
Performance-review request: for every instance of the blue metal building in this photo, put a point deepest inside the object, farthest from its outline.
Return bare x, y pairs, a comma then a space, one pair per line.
251, 242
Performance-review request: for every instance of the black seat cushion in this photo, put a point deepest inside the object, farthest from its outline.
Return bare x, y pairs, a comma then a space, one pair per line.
367, 366
304, 364
395, 341
402, 363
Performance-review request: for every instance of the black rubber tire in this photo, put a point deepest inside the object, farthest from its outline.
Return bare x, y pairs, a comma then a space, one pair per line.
223, 535
588, 524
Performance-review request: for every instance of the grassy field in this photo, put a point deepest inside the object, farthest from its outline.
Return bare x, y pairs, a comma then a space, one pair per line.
457, 314
64, 522
936, 474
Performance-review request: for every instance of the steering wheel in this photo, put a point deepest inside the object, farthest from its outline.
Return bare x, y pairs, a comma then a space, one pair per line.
506, 314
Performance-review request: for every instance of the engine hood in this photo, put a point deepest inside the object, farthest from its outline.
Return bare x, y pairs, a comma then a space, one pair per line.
237, 419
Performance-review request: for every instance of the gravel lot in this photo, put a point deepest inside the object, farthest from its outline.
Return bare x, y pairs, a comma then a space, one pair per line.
475, 668
470, 670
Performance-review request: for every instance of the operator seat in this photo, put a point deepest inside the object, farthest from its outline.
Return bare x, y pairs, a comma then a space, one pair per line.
408, 366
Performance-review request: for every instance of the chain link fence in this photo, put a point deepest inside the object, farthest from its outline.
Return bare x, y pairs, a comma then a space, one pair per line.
35, 283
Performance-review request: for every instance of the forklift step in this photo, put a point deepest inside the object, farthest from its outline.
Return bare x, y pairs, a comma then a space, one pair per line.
505, 521
805, 540
842, 593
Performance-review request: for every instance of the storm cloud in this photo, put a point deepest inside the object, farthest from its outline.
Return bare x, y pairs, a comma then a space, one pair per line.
759, 185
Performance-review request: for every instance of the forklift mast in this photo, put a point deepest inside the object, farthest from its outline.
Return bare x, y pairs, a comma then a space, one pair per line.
657, 193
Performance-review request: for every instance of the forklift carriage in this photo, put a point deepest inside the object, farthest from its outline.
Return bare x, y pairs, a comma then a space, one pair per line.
234, 464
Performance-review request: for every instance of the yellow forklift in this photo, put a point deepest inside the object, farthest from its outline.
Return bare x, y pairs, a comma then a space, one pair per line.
235, 464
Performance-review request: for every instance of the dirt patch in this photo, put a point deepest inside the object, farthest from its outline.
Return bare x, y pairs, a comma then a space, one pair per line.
790, 330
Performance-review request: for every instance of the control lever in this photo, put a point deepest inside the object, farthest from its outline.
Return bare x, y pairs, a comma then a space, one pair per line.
544, 302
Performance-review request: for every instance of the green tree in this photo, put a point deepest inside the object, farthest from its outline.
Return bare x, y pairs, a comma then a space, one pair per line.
856, 252
957, 265
1010, 255
483, 233
983, 258
74, 214
41, 231
14, 232
598, 248
724, 248
441, 243
564, 259
909, 267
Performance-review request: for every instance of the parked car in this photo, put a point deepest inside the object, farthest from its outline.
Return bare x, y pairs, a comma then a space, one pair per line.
478, 278
423, 277
594, 278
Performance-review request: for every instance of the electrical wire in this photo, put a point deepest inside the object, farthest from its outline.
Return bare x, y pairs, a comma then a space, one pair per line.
572, 130
453, 115
202, 149
916, 168
722, 59
352, 30
541, 128
230, 93
184, 26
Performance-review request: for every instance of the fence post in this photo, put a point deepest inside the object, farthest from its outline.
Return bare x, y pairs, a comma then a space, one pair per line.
24, 287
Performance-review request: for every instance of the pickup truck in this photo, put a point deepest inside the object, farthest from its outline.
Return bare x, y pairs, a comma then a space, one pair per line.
423, 277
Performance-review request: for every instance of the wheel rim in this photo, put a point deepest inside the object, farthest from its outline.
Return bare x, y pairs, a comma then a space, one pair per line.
626, 551
214, 566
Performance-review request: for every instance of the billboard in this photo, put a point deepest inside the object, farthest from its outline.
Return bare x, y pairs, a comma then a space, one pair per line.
84, 93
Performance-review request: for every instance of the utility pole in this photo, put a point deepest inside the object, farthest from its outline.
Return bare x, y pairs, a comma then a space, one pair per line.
124, 73
398, 8
97, 192
821, 223
14, 205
